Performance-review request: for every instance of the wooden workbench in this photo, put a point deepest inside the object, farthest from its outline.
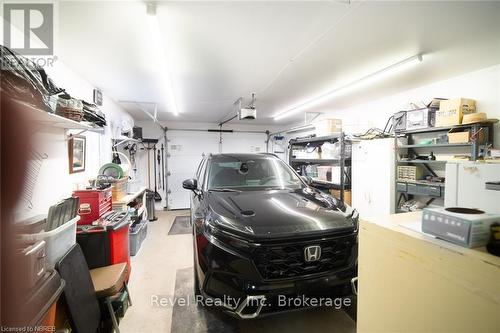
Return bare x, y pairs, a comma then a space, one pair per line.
123, 202
412, 282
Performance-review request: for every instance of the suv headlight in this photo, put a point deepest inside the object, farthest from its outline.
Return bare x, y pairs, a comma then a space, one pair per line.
224, 239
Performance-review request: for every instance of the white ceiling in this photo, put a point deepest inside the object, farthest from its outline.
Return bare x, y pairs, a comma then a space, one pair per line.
286, 52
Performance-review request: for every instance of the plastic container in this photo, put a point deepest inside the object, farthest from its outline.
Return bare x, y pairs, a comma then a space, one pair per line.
43, 301
57, 241
144, 230
136, 238
33, 225
138, 233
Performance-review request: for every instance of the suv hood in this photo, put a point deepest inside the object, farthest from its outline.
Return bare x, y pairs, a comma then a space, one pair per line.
279, 213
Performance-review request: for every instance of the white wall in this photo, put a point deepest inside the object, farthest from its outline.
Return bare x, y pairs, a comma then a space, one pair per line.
54, 181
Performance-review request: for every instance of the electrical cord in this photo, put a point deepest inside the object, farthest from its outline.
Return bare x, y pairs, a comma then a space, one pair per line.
377, 133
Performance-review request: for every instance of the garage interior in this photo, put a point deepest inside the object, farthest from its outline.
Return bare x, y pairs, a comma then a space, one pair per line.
335, 162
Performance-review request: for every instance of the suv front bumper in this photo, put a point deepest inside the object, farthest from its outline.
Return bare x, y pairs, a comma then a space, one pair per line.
227, 274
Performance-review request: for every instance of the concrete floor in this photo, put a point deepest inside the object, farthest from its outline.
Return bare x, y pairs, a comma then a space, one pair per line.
154, 271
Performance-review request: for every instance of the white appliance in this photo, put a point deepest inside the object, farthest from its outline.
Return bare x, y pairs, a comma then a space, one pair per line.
466, 186
373, 177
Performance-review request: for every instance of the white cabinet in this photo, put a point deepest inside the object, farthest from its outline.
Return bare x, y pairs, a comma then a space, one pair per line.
465, 186
373, 163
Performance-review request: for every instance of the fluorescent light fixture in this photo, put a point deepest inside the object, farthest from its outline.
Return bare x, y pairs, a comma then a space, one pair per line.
161, 60
368, 79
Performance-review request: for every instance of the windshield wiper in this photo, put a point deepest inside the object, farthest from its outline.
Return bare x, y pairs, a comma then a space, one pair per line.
221, 189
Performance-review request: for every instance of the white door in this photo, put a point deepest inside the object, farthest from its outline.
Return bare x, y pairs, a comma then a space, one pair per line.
186, 149
244, 142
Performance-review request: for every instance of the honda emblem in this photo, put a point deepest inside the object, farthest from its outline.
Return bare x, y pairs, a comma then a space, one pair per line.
312, 253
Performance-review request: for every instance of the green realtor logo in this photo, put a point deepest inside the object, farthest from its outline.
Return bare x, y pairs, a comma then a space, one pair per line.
29, 28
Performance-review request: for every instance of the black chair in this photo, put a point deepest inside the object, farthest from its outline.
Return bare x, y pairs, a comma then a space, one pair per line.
84, 288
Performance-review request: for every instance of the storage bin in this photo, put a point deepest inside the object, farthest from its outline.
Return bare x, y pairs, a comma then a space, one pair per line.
138, 233
57, 241
39, 304
135, 238
119, 188
408, 172
144, 230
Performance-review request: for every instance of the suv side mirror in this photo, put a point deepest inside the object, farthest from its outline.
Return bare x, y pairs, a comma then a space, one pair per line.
308, 180
190, 184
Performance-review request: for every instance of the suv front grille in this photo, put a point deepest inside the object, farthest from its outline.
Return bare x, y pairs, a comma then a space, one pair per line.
286, 260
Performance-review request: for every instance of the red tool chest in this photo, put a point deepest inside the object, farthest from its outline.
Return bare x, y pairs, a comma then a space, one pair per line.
106, 244
93, 204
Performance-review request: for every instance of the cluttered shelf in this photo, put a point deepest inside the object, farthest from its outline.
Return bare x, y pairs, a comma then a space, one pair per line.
316, 139
446, 128
51, 119
325, 159
436, 145
422, 161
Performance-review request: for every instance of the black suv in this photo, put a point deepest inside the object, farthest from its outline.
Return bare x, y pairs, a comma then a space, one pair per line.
262, 234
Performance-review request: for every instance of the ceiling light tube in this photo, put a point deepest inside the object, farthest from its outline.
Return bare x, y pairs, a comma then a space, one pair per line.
378, 75
162, 60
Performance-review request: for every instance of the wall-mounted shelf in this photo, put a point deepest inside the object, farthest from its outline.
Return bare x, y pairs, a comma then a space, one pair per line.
53, 120
443, 145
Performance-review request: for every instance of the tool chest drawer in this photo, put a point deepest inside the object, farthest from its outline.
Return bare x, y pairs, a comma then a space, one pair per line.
93, 204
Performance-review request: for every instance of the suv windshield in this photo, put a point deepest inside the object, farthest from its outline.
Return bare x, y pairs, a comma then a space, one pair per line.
232, 172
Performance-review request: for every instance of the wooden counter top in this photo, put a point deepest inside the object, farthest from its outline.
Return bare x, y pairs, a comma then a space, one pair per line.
413, 282
404, 222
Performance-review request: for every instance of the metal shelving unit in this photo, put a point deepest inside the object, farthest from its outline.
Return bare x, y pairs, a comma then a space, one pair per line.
416, 155
299, 164
437, 145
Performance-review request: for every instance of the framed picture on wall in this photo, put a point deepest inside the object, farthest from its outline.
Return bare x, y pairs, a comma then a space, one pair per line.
77, 151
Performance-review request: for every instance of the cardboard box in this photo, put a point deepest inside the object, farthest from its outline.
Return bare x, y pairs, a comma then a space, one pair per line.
347, 195
327, 127
452, 111
458, 137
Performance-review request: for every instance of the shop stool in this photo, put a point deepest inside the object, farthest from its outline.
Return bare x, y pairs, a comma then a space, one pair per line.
84, 288
108, 281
